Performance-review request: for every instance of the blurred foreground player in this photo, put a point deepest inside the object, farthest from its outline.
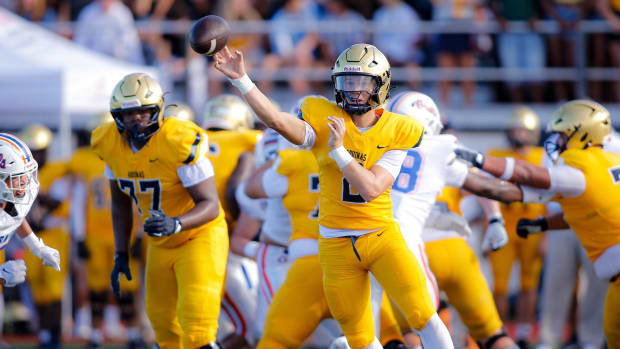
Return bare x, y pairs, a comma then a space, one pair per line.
162, 165
583, 178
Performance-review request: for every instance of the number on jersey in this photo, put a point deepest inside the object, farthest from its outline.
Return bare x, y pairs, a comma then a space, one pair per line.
615, 174
408, 177
314, 188
144, 185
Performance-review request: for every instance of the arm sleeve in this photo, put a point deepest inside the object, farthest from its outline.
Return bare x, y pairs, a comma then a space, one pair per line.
275, 185
309, 137
108, 173
566, 181
193, 174
78, 210
392, 161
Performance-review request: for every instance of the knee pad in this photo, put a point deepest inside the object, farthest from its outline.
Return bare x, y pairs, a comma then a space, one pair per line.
488, 343
126, 305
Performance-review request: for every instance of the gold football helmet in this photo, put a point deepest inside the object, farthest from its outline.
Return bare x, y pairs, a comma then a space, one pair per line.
227, 112
36, 136
359, 70
577, 124
97, 120
523, 127
180, 111
138, 91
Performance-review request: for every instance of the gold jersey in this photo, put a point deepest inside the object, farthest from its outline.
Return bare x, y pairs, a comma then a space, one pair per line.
302, 196
594, 215
88, 167
341, 207
451, 197
149, 176
48, 174
514, 211
225, 147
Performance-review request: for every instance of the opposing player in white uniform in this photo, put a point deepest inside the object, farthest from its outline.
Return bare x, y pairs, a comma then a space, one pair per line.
19, 187
426, 170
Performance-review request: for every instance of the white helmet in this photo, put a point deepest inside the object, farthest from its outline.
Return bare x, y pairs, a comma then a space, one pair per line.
419, 106
18, 171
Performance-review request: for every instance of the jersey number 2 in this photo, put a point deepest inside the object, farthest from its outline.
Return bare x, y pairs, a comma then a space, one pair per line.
144, 185
408, 176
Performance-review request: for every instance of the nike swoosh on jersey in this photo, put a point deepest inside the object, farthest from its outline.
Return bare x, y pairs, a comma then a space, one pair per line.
381, 146
153, 160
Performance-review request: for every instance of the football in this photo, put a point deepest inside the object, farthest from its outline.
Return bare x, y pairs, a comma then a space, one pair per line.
209, 34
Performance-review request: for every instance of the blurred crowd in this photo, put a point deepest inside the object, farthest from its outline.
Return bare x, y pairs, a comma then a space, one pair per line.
109, 26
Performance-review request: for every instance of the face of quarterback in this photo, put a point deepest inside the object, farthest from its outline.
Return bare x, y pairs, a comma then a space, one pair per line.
357, 88
136, 119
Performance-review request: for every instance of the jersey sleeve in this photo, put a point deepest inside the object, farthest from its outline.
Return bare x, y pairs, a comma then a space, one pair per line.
392, 161
193, 174
310, 113
410, 133
190, 141
275, 184
456, 173
98, 140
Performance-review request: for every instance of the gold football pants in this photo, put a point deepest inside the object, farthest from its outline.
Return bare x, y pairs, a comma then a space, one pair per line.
523, 250
183, 289
458, 274
347, 283
45, 282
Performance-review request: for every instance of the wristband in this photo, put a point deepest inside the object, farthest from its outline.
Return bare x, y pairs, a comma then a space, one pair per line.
250, 249
177, 225
33, 242
243, 84
341, 156
509, 169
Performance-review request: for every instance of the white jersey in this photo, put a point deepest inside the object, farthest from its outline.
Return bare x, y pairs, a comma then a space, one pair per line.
426, 171
10, 221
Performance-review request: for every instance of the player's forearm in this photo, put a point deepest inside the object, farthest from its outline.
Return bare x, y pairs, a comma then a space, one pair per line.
203, 212
517, 171
490, 207
289, 126
245, 230
254, 185
122, 222
245, 167
24, 230
492, 188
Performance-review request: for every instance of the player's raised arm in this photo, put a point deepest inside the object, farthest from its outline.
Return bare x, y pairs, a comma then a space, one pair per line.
232, 65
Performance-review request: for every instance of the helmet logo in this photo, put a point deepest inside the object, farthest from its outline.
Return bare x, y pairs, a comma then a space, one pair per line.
2, 161
352, 69
132, 103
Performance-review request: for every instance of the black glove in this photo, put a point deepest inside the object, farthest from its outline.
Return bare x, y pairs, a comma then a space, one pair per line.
82, 251
474, 157
121, 266
136, 248
159, 224
526, 227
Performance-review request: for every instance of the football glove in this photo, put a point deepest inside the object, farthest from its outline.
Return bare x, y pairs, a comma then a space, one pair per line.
159, 224
82, 251
470, 156
496, 236
526, 227
121, 266
50, 256
13, 272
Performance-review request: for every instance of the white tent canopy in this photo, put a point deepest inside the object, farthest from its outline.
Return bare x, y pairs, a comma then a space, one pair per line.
48, 79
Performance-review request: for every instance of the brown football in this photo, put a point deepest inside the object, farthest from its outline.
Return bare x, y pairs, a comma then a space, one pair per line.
209, 35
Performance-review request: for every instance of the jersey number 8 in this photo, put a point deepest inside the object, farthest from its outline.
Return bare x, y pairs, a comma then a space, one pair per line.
408, 177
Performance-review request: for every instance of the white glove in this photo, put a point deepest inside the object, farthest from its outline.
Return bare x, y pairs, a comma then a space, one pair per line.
448, 221
13, 272
50, 256
496, 236
339, 343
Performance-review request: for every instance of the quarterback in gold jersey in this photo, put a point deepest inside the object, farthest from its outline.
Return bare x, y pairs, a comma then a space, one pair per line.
162, 166
523, 135
359, 148
584, 179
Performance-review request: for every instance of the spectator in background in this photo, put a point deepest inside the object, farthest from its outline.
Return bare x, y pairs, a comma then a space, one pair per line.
107, 26
335, 43
401, 48
44, 11
610, 10
567, 13
456, 49
520, 50
291, 46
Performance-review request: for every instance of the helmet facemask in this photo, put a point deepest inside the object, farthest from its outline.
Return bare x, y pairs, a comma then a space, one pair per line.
137, 133
19, 188
357, 93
